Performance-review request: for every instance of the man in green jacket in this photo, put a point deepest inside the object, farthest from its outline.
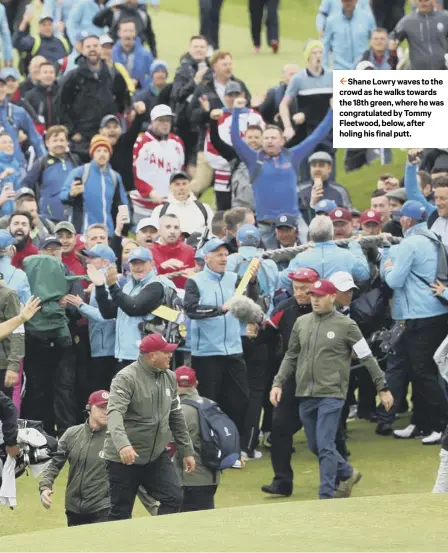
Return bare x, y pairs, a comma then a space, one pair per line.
319, 354
87, 493
144, 412
199, 487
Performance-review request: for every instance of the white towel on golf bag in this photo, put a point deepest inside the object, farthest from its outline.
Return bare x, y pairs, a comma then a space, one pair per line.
8, 489
441, 359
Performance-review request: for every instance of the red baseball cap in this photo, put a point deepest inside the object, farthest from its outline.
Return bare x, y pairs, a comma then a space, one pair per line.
156, 342
323, 288
98, 398
370, 216
304, 275
185, 376
340, 214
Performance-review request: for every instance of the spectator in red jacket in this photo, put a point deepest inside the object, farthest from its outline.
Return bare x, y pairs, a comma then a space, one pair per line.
171, 254
66, 233
20, 225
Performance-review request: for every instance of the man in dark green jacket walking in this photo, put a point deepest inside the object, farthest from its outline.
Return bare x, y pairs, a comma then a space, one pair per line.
87, 493
144, 412
319, 354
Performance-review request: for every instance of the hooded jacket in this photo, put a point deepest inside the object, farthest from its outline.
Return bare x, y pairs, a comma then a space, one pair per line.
9, 161
137, 62
179, 250
44, 101
87, 489
46, 177
190, 216
427, 36
85, 100
101, 193
144, 412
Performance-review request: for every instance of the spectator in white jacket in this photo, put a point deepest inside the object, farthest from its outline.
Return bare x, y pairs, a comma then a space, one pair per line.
194, 216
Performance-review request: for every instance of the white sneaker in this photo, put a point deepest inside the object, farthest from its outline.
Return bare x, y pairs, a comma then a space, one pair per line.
237, 464
254, 455
432, 439
266, 440
407, 433
353, 412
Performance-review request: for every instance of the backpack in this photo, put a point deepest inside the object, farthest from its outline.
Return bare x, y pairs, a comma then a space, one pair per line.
220, 440
442, 262
241, 187
199, 205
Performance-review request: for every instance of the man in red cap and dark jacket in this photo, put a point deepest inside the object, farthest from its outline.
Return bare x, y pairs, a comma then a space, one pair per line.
171, 254
136, 450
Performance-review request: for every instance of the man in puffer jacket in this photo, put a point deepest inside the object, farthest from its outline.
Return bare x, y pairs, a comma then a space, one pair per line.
94, 190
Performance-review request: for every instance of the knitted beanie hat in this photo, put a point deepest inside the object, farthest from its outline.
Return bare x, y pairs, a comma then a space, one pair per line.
97, 141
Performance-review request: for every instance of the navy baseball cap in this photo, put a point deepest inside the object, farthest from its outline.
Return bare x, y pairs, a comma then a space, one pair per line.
325, 206
286, 221
140, 254
414, 210
248, 235
51, 241
212, 245
101, 250
6, 239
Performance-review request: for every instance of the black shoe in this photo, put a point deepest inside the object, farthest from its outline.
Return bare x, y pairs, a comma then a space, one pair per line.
384, 429
371, 417
273, 489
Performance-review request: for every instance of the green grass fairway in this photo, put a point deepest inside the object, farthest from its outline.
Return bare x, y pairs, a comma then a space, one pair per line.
363, 524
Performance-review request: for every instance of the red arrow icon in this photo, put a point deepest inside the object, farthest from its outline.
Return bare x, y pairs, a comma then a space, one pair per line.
343, 80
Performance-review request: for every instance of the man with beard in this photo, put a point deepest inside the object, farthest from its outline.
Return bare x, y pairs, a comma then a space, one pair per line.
87, 94
157, 155
20, 225
171, 253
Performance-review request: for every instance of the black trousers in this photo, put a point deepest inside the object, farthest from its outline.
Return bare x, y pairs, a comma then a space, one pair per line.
421, 339
159, 479
388, 13
85, 384
223, 378
223, 200
255, 356
198, 498
285, 423
257, 9
103, 369
76, 519
210, 14
50, 384
397, 378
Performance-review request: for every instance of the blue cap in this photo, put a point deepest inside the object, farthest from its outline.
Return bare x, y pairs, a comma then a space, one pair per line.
326, 206
101, 250
414, 210
159, 65
199, 254
6, 239
9, 72
212, 245
81, 35
140, 254
286, 221
248, 235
